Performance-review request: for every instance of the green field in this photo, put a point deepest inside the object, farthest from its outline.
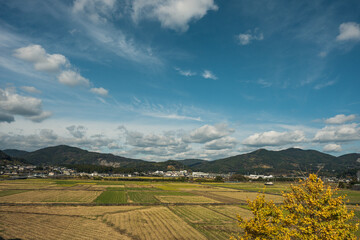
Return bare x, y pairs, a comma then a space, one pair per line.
112, 197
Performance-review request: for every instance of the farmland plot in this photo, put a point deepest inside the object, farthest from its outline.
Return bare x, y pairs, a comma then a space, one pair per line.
52, 196
10, 192
37, 226
156, 223
85, 211
232, 211
185, 199
112, 197
242, 196
150, 196
212, 224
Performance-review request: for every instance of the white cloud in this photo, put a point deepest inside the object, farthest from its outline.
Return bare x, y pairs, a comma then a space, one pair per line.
246, 38
208, 133
332, 147
173, 116
340, 119
273, 138
209, 75
12, 104
42, 61
100, 91
30, 89
71, 78
340, 133
97, 10
173, 14
222, 143
186, 73
349, 31
48, 137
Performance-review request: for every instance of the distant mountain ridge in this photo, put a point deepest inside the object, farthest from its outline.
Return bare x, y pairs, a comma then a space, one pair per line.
264, 161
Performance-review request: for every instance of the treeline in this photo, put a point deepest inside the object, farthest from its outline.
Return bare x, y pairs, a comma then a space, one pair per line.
88, 168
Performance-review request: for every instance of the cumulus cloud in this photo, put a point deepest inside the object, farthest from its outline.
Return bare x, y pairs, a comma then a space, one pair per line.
349, 31
186, 73
47, 137
222, 143
42, 61
77, 131
340, 133
72, 79
249, 36
340, 119
209, 75
12, 104
332, 147
30, 89
173, 14
208, 133
273, 138
100, 91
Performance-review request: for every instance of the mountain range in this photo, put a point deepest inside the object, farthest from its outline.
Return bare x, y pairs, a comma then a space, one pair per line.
292, 160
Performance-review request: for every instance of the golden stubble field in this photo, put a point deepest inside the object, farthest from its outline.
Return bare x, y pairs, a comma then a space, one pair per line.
86, 209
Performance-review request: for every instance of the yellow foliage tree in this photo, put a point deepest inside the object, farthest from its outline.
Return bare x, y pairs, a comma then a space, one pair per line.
309, 212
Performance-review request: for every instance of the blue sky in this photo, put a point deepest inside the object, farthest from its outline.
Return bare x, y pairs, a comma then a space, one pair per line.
176, 79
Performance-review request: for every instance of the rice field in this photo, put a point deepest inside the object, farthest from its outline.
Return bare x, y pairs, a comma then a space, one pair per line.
79, 196
38, 226
112, 197
243, 196
155, 222
80, 209
212, 224
185, 199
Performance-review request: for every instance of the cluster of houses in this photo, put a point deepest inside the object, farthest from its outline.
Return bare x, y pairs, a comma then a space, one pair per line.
30, 171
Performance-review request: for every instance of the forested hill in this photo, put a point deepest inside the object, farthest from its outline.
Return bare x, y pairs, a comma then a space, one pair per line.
292, 160
5, 159
285, 161
61, 155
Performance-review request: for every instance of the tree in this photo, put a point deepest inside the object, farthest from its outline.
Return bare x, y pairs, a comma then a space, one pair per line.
310, 211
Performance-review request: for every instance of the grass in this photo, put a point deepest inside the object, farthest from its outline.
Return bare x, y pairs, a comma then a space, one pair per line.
351, 195
112, 197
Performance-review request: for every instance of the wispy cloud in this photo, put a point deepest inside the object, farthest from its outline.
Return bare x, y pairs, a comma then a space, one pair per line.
249, 36
209, 75
325, 84
186, 73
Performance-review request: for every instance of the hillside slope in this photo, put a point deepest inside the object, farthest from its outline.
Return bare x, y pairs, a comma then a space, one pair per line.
60, 155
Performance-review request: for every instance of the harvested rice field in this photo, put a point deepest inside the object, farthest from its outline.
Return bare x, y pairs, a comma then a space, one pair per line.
39, 226
89, 209
51, 196
155, 222
185, 199
243, 196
